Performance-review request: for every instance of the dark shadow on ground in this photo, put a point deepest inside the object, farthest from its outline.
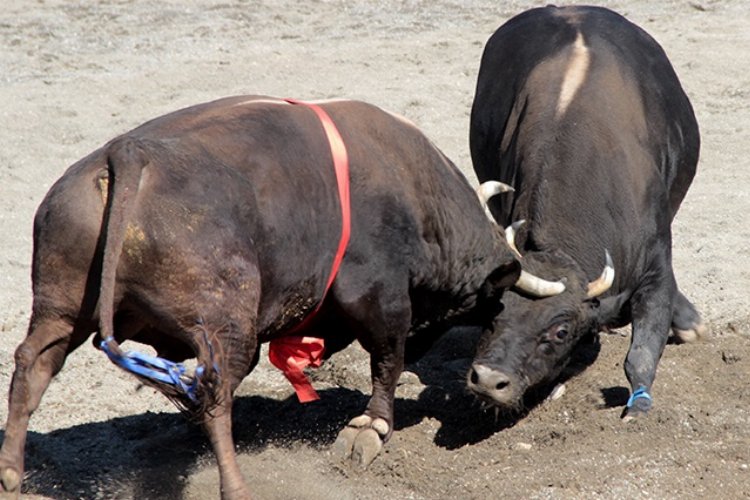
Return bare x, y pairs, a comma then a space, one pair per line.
615, 396
135, 454
463, 419
97, 460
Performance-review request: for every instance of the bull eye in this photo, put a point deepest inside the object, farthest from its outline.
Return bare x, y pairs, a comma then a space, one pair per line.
560, 332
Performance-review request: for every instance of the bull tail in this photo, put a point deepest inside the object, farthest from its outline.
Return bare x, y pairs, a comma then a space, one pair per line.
125, 164
193, 395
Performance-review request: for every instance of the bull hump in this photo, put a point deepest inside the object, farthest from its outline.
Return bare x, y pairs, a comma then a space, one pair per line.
576, 70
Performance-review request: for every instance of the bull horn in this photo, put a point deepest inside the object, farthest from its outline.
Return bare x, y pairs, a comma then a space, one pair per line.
603, 282
538, 287
533, 285
487, 190
510, 235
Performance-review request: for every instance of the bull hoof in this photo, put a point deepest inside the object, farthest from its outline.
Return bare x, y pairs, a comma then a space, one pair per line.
345, 442
698, 332
10, 479
630, 414
367, 446
638, 406
361, 440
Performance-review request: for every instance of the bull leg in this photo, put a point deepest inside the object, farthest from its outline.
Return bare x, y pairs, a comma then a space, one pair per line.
652, 317
239, 355
38, 358
218, 426
687, 324
382, 323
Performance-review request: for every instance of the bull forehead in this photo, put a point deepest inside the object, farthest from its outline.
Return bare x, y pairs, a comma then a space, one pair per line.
531, 315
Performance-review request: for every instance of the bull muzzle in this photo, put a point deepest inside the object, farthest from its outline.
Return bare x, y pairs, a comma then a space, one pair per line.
493, 385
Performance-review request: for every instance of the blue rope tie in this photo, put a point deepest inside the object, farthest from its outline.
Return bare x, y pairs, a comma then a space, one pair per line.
640, 393
156, 368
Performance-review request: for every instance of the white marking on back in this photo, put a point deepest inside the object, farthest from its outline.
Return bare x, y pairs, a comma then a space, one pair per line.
319, 102
575, 74
260, 101
323, 101
282, 101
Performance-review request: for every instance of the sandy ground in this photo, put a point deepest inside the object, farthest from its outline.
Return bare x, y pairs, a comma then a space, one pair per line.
73, 74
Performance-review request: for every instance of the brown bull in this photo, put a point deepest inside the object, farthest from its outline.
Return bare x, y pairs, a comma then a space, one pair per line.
208, 231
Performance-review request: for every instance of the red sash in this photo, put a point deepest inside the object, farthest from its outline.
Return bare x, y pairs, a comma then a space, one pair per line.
292, 353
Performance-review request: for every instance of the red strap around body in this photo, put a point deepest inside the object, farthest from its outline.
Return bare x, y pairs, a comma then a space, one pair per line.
292, 353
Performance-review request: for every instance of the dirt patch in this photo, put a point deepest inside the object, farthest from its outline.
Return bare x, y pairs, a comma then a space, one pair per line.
73, 75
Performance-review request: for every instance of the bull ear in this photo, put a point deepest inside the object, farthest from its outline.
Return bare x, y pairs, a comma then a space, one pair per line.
502, 278
612, 311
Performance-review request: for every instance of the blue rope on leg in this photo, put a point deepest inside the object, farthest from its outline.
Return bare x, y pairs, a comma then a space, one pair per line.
155, 368
640, 393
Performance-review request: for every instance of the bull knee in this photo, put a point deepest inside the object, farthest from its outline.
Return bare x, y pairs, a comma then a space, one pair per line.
640, 365
25, 356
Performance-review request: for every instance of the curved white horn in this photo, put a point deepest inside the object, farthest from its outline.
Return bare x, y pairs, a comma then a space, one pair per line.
510, 235
527, 282
603, 282
538, 287
487, 190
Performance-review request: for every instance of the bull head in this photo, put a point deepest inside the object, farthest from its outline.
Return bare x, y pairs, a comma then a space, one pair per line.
531, 341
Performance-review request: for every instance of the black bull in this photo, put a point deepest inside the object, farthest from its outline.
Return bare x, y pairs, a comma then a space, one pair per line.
582, 113
212, 229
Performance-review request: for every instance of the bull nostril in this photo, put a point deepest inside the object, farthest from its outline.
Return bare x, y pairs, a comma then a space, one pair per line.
484, 378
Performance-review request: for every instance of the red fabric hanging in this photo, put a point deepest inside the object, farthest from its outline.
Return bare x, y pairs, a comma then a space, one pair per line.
292, 353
